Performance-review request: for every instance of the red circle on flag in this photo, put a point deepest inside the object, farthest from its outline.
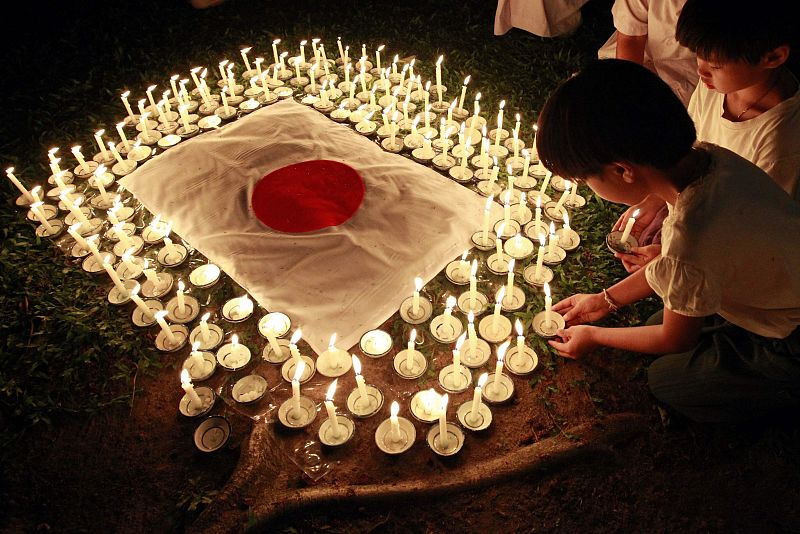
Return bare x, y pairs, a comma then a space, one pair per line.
308, 196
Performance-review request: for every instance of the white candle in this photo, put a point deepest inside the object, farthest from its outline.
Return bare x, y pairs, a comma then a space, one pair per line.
498, 369
499, 123
197, 356
37, 212
451, 302
149, 92
181, 298
410, 349
378, 57
244, 52
463, 93
331, 409
205, 333
394, 421
275, 50
124, 139
553, 240
223, 94
124, 97
629, 227
184, 117
415, 298
507, 211
471, 336
18, 184
444, 437
186, 384
498, 304
457, 354
473, 284
546, 181
116, 154
476, 396
75, 208
269, 331
563, 197
362, 388
526, 165
73, 231
298, 374
510, 279
486, 211
499, 241
122, 235
92, 243
151, 275
143, 121
98, 137
146, 311
548, 304
520, 337
172, 250
115, 278
439, 77
293, 345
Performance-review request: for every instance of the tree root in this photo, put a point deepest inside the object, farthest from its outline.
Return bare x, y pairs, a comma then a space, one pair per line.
260, 460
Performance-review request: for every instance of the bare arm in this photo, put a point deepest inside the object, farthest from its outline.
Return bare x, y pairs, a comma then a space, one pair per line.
631, 47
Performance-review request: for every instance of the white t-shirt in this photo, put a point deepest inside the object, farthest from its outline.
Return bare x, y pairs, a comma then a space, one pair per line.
731, 246
675, 64
770, 140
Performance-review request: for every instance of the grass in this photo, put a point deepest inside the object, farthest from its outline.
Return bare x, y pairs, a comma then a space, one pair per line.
63, 349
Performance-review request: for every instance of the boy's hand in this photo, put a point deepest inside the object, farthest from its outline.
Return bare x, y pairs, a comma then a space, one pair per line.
575, 341
638, 257
648, 210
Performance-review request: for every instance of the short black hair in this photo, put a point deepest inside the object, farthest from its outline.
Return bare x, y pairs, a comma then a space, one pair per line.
613, 110
736, 30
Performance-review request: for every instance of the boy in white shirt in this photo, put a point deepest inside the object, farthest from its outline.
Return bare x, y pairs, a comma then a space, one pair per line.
747, 101
729, 272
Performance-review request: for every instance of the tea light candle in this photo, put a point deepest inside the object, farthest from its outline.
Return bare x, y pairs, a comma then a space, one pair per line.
98, 137
498, 369
186, 384
181, 298
298, 373
497, 306
331, 409
463, 92
629, 226
115, 278
410, 349
293, 345
471, 336
548, 303
394, 421
205, 332
362, 388
415, 298
124, 96
22, 189
476, 396
444, 437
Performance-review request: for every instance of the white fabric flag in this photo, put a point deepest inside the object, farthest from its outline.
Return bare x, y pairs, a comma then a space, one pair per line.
345, 279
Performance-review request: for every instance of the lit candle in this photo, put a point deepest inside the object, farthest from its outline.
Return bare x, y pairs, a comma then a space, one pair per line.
476, 397
362, 388
497, 306
122, 136
37, 212
184, 117
410, 349
115, 278
298, 374
186, 384
563, 197
275, 44
223, 94
415, 298
272, 325
149, 92
126, 260
196, 80
143, 122
498, 369
394, 63
553, 240
172, 83
574, 193
18, 184
122, 235
76, 151
510, 279
205, 332
98, 137
476, 108
439, 77
498, 241
507, 210
331, 409
451, 302
116, 154
546, 181
444, 437
457, 354
124, 97
197, 356
75, 208
150, 274
181, 298
303, 51
293, 345
629, 227
244, 52
471, 336
486, 211
463, 93
548, 304
378, 57
91, 241
538, 220
146, 311
499, 123
520, 337
394, 421
73, 231
521, 205
526, 165
473, 284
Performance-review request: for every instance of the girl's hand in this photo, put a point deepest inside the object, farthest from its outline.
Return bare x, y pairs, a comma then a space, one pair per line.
638, 257
648, 210
575, 341
582, 308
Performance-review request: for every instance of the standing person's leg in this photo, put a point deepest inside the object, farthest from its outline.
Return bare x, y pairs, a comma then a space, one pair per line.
730, 376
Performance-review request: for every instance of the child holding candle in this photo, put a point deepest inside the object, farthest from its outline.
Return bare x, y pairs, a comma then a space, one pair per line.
748, 100
729, 272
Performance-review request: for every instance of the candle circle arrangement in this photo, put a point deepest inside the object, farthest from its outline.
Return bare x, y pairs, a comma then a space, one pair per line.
375, 343
445, 443
237, 309
205, 275
233, 355
396, 434
212, 434
334, 435
249, 389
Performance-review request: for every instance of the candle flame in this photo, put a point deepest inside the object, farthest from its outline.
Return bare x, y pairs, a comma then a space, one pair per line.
566, 220
195, 346
331, 390
460, 340
234, 340
395, 409
356, 364
471, 317
135, 290
413, 337
332, 343
418, 283
482, 380
466, 80
552, 228
501, 294
478, 96
205, 317
185, 379
502, 104
518, 327
501, 351
276, 41
635, 214
246, 50
298, 372
296, 336
151, 88
443, 400
161, 314
511, 264
547, 289
439, 61
126, 94
181, 285
451, 301
98, 133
